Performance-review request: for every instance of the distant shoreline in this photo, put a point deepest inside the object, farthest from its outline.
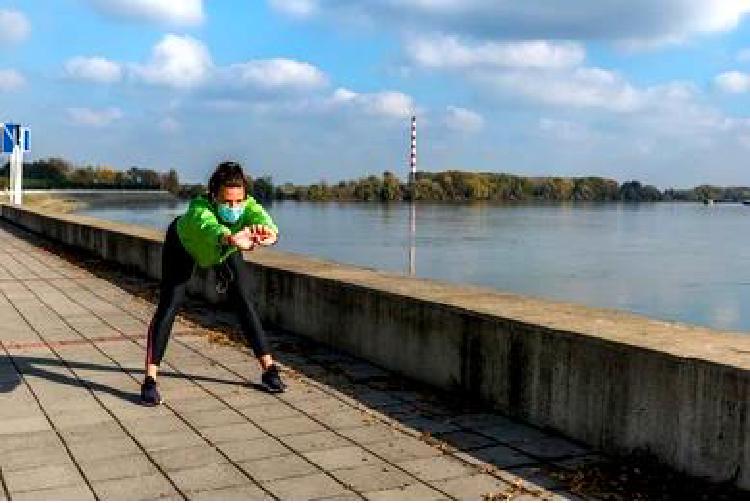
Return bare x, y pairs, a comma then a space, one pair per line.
72, 200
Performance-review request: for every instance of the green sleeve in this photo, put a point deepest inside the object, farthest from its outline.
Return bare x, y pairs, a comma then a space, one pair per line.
200, 232
256, 214
202, 221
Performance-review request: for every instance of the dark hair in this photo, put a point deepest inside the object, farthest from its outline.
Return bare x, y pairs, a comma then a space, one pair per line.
227, 174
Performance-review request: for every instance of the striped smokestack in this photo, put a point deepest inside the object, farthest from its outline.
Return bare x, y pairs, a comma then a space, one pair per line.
413, 154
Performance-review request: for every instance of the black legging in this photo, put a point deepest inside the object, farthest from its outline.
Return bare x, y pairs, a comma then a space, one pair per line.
176, 269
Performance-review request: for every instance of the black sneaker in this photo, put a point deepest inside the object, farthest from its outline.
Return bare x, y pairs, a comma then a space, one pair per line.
150, 393
272, 380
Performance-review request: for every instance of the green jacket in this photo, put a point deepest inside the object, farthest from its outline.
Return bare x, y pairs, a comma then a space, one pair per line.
200, 229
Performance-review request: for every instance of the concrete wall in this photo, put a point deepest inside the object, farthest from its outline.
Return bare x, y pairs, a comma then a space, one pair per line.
611, 379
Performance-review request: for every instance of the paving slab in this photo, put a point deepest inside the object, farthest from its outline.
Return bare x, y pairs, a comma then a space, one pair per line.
278, 467
346, 419
27, 424
155, 441
41, 477
207, 418
38, 456
316, 441
316, 486
342, 457
373, 433
292, 426
232, 432
437, 468
248, 450
71, 493
88, 433
186, 457
211, 476
410, 492
464, 440
373, 477
403, 449
499, 456
472, 487
104, 448
28, 441
267, 411
249, 492
119, 467
135, 488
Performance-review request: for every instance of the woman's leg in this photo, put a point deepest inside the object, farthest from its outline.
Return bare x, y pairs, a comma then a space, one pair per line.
177, 267
241, 296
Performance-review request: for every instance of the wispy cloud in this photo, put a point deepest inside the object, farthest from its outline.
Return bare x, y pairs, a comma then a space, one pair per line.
14, 26
94, 117
11, 80
99, 70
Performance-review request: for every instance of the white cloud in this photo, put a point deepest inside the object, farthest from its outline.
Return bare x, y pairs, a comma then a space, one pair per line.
276, 73
93, 69
14, 26
450, 52
94, 117
297, 8
733, 82
176, 61
173, 12
11, 80
391, 104
634, 21
463, 119
581, 87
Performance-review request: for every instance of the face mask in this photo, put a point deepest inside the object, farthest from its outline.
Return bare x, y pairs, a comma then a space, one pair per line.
230, 214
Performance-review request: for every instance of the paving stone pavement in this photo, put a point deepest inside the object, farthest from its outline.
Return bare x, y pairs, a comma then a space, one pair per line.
72, 344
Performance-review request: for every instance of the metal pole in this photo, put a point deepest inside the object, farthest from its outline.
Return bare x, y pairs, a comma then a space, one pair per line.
16, 162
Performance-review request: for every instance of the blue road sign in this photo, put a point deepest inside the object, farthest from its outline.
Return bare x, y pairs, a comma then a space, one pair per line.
8, 138
14, 134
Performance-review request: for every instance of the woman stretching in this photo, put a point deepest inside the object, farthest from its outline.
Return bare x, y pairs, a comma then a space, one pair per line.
212, 233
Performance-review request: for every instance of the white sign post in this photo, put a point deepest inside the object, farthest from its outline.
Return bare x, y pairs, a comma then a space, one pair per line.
15, 142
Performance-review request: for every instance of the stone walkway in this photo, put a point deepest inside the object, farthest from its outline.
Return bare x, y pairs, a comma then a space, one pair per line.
70, 426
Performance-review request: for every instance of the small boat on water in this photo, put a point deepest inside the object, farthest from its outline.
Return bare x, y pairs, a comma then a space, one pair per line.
746, 202
708, 201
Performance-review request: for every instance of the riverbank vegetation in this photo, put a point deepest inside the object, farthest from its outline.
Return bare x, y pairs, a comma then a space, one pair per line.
452, 185
470, 186
56, 173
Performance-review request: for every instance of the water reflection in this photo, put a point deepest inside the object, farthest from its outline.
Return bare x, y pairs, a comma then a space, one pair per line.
668, 261
412, 239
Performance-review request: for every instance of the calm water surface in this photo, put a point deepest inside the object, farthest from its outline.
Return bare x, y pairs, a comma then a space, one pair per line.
685, 262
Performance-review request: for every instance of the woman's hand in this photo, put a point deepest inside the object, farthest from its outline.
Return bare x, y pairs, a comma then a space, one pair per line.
262, 234
242, 239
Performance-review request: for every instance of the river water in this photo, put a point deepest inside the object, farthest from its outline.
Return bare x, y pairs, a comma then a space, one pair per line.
683, 261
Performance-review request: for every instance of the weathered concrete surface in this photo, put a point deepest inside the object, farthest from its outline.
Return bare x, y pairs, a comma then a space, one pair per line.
613, 380
71, 353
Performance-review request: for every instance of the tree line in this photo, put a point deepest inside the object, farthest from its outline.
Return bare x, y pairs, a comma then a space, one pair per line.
56, 173
470, 186
452, 185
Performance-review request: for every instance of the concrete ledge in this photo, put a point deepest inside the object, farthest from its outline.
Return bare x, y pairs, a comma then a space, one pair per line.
611, 379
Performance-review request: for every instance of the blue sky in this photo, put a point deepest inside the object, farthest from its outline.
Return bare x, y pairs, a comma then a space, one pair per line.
306, 90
